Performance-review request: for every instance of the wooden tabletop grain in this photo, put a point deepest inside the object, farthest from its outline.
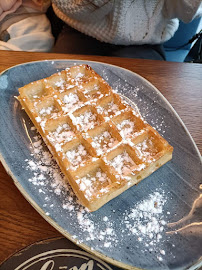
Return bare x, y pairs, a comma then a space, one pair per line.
180, 83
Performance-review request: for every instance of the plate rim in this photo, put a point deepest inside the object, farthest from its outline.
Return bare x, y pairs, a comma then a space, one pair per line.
40, 210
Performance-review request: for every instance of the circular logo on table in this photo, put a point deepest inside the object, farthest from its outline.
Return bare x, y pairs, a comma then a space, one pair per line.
64, 259
54, 254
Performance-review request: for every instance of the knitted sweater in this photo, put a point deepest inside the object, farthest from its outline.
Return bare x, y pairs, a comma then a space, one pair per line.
127, 22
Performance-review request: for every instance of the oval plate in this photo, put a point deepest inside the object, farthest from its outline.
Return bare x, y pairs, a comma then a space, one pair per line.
150, 226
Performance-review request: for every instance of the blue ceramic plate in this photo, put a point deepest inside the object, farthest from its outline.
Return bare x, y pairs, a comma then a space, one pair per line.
155, 225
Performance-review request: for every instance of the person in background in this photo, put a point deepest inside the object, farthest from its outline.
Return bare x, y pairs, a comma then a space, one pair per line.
24, 25
124, 28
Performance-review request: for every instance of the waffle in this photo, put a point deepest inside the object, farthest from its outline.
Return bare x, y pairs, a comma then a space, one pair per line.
102, 145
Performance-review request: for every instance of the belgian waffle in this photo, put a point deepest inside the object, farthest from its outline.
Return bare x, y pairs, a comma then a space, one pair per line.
101, 144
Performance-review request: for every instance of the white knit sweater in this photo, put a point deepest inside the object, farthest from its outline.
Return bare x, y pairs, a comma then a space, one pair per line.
127, 22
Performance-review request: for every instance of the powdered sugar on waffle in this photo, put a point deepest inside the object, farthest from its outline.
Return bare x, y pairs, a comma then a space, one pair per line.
126, 128
144, 150
46, 111
103, 142
145, 220
60, 84
70, 100
62, 134
110, 109
86, 121
88, 184
77, 155
123, 163
134, 93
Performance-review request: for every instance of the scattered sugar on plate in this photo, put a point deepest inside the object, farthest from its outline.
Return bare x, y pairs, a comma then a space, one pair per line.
145, 221
45, 172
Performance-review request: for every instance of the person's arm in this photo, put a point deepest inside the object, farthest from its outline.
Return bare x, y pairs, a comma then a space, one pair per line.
184, 10
84, 10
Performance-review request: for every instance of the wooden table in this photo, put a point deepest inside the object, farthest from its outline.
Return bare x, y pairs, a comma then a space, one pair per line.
180, 83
